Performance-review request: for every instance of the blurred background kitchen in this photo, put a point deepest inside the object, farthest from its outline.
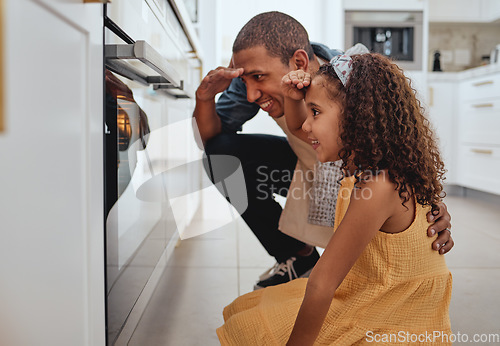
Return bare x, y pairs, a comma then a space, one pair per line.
111, 233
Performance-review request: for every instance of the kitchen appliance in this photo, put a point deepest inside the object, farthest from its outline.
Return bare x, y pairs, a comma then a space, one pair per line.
151, 67
396, 34
495, 55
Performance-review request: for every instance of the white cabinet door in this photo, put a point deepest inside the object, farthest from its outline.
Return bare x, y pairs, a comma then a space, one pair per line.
444, 120
51, 207
464, 11
385, 5
455, 11
479, 132
491, 10
479, 165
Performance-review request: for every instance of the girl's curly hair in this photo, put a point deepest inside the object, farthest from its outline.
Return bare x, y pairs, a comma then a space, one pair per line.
383, 127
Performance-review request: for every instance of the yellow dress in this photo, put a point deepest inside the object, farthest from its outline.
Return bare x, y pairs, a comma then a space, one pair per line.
397, 292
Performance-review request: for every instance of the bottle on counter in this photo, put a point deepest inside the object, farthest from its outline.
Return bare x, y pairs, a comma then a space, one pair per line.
436, 67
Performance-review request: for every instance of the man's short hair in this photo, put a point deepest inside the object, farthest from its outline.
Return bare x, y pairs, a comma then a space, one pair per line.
279, 33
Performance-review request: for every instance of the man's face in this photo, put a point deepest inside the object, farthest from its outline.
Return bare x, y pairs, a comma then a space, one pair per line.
262, 76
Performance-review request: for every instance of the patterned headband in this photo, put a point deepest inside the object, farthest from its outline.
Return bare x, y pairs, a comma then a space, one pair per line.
342, 64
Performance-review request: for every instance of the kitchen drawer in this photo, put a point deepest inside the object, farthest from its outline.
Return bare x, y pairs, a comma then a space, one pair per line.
481, 87
480, 122
479, 167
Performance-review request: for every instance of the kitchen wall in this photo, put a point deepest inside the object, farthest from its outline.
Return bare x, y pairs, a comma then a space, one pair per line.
462, 45
316, 17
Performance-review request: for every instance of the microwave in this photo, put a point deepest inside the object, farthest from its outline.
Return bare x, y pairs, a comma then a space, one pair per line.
395, 34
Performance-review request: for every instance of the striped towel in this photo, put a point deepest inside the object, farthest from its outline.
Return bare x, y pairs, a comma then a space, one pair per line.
324, 193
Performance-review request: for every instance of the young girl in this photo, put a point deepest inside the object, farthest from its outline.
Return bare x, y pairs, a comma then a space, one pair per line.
378, 280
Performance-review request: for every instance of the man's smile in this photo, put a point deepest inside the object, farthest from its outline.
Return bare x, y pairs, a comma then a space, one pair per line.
266, 106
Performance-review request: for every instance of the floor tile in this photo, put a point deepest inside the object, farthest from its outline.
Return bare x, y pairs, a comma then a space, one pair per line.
216, 249
476, 233
475, 302
251, 253
207, 272
186, 308
247, 279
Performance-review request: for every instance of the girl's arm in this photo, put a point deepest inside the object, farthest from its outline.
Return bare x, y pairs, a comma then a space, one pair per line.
369, 208
293, 86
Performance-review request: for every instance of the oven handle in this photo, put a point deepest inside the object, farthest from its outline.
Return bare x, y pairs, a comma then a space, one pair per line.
184, 92
143, 52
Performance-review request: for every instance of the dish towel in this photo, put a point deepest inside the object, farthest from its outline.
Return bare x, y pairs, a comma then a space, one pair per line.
325, 188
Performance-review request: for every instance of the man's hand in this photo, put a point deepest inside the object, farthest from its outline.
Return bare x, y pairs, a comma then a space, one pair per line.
442, 226
293, 84
216, 81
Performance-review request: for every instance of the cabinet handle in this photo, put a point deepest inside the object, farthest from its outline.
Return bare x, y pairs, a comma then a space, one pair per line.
483, 105
483, 83
482, 151
431, 96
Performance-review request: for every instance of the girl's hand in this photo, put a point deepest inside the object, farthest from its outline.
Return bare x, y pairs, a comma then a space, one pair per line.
293, 84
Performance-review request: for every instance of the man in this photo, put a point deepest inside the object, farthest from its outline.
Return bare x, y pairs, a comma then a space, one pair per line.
269, 46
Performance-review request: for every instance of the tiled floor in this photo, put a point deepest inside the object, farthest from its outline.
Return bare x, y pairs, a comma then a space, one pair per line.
207, 272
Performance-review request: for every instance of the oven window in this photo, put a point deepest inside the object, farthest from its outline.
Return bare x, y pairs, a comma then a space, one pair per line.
396, 34
138, 227
395, 42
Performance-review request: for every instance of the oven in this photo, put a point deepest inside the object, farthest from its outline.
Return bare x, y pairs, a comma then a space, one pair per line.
396, 34
152, 66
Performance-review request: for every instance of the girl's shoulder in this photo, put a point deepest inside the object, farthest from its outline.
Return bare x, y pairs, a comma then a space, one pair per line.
374, 199
386, 198
378, 183
377, 191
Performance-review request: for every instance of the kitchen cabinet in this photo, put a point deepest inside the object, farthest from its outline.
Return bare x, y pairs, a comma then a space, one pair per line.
443, 117
51, 206
464, 11
491, 10
479, 132
464, 108
479, 166
385, 5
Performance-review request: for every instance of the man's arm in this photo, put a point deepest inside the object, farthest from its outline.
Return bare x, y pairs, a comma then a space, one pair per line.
207, 120
441, 226
216, 81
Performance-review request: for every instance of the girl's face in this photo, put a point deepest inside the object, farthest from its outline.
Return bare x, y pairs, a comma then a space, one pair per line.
323, 121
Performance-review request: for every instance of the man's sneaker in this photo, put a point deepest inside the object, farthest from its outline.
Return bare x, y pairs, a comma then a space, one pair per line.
292, 268
270, 272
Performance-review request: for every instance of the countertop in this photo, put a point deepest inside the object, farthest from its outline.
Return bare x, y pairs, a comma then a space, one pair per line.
463, 75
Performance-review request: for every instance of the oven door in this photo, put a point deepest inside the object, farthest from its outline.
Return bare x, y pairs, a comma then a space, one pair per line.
147, 97
138, 227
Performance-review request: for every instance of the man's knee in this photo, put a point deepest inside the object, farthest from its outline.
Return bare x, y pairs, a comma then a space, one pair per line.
222, 144
220, 159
